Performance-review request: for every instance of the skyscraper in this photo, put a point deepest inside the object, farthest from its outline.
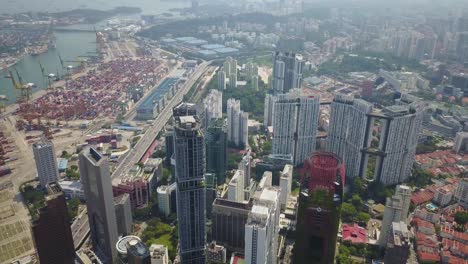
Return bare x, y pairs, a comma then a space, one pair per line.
287, 71
189, 153
398, 246
245, 165
46, 162
221, 80
51, 229
211, 192
213, 106
237, 123
233, 81
216, 149
96, 180
285, 184
295, 124
123, 213
396, 210
319, 209
236, 187
399, 140
262, 227
350, 131
268, 110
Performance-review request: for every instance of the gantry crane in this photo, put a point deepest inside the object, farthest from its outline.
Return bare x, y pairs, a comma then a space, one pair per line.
3, 100
24, 89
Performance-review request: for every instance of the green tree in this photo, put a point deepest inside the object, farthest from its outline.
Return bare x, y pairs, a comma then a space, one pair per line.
348, 212
73, 205
363, 217
357, 201
461, 218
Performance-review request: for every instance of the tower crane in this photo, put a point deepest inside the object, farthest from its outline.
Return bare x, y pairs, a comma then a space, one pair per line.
25, 90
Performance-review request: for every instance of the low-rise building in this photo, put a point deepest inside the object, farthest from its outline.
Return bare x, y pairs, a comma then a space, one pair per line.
354, 234
215, 254
72, 189
159, 254
443, 195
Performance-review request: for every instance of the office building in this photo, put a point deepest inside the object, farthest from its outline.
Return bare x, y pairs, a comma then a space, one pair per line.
287, 72
285, 184
169, 144
213, 106
189, 155
159, 254
137, 252
350, 131
164, 200
216, 149
461, 194
262, 227
221, 80
398, 246
237, 123
318, 213
123, 213
236, 187
400, 134
229, 220
46, 162
51, 229
323, 170
396, 210
460, 144
96, 180
295, 124
215, 254
268, 110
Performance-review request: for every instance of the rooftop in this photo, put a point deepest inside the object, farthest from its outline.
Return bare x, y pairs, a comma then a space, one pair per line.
354, 233
159, 92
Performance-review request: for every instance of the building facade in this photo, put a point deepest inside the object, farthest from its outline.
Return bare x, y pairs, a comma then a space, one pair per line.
213, 106
350, 131
295, 125
51, 229
96, 180
285, 184
46, 162
216, 149
237, 123
398, 246
123, 213
189, 153
287, 71
323, 170
396, 210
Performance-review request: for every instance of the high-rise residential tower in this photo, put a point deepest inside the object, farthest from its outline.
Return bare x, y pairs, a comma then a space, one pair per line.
350, 131
51, 229
216, 149
96, 180
213, 106
399, 140
287, 71
285, 184
237, 123
189, 153
262, 227
268, 110
396, 210
295, 124
221, 80
46, 162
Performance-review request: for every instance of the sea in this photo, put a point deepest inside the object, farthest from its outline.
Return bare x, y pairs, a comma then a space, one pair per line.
69, 45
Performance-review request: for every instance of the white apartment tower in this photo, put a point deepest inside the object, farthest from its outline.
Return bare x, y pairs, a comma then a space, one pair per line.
213, 106
236, 187
268, 111
396, 210
46, 162
285, 184
261, 229
237, 123
350, 131
221, 80
295, 124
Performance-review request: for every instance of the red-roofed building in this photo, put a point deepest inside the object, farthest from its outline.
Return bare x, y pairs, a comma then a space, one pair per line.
424, 227
448, 258
422, 197
354, 233
447, 232
426, 243
456, 248
428, 257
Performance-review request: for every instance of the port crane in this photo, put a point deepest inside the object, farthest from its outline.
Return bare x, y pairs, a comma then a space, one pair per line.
24, 89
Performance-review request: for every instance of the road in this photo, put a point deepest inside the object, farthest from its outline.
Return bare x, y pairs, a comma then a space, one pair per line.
147, 139
80, 227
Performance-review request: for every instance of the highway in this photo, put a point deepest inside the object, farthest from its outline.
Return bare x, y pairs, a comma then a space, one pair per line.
147, 139
80, 227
